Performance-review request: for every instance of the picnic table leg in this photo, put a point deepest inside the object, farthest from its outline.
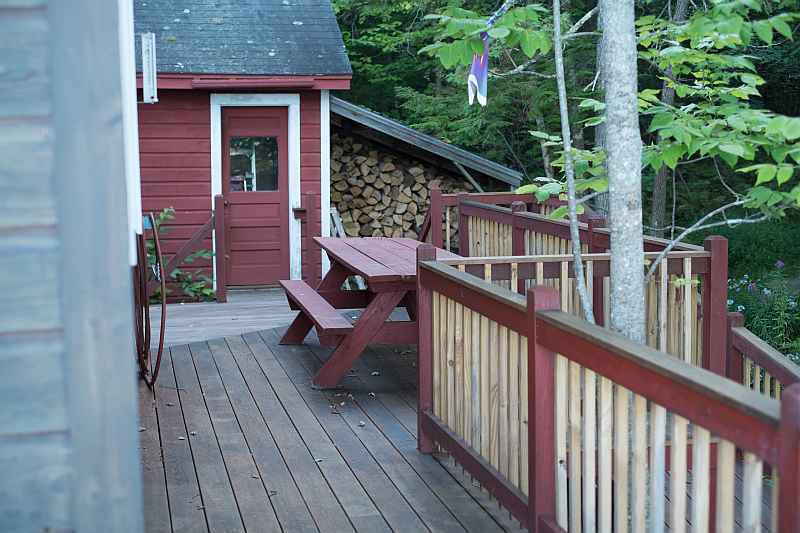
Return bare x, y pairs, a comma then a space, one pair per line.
367, 326
301, 325
410, 303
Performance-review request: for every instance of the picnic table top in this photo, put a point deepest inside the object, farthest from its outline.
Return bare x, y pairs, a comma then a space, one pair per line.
378, 259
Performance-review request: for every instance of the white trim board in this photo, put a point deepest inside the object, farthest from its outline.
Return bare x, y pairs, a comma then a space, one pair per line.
292, 102
325, 171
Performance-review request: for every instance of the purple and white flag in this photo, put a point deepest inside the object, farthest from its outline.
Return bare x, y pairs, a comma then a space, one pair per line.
478, 78
479, 74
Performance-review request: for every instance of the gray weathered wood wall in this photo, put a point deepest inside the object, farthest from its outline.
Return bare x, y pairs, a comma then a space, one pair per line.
68, 429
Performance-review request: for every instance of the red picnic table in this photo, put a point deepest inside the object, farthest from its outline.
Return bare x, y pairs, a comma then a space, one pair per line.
389, 268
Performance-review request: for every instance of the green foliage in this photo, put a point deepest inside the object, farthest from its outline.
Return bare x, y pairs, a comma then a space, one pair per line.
753, 249
770, 307
194, 284
392, 77
704, 62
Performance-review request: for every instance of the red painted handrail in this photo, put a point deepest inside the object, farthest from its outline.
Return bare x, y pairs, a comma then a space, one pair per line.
743, 343
750, 421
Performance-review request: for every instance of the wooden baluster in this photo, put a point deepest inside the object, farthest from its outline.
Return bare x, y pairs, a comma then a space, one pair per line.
726, 471
701, 480
622, 402
605, 459
789, 460
574, 454
751, 493
639, 465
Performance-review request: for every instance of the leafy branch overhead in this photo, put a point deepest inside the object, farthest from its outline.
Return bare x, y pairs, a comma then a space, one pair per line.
706, 60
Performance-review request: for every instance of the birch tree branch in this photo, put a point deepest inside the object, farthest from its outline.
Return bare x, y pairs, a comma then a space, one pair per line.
575, 237
583, 20
697, 226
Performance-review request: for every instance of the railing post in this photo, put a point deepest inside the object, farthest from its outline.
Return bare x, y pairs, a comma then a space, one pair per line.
425, 252
517, 231
435, 211
220, 249
518, 238
715, 305
311, 220
734, 360
789, 467
541, 413
463, 229
597, 284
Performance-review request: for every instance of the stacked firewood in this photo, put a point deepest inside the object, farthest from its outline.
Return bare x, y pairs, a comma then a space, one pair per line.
383, 194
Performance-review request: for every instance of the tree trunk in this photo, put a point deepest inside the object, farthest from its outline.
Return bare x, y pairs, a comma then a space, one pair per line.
571, 78
624, 148
600, 202
659, 208
569, 171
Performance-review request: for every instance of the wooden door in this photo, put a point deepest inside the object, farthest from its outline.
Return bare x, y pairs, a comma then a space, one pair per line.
255, 184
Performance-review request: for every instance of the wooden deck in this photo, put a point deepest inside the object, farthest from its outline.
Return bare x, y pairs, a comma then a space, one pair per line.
248, 445
245, 311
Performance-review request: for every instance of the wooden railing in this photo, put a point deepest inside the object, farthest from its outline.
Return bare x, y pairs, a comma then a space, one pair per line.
535, 233
674, 296
755, 364
573, 428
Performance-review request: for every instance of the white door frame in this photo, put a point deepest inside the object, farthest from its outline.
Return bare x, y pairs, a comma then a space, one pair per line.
292, 102
325, 171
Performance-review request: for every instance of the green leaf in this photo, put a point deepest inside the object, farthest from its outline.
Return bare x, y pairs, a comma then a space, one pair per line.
776, 125
546, 191
498, 32
733, 149
527, 189
792, 129
476, 45
671, 155
764, 30
784, 174
528, 41
558, 213
781, 27
766, 174
661, 120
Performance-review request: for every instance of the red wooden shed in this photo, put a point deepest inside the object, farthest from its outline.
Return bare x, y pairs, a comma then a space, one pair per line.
242, 126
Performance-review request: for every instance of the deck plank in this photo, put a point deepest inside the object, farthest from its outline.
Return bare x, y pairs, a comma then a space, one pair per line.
154, 482
433, 512
396, 366
251, 495
222, 511
351, 495
303, 465
289, 505
388, 499
397, 421
183, 490
248, 444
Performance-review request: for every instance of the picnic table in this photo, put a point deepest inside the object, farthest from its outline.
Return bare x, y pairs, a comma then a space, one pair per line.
389, 268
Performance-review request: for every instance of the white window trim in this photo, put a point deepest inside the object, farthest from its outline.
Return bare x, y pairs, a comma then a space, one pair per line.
292, 102
325, 172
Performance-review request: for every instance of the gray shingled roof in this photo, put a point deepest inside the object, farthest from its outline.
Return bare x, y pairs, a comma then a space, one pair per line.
248, 37
432, 145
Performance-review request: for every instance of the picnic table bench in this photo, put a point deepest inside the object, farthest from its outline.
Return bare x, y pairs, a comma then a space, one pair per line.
388, 266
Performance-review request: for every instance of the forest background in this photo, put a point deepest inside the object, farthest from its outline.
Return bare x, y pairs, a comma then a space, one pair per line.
391, 76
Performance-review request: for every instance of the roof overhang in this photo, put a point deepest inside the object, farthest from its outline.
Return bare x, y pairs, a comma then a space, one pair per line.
386, 130
233, 82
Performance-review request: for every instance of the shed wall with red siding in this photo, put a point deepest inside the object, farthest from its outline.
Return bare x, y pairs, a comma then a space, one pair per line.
175, 157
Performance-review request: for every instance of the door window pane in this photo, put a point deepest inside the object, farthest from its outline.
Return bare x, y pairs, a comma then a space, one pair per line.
254, 163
